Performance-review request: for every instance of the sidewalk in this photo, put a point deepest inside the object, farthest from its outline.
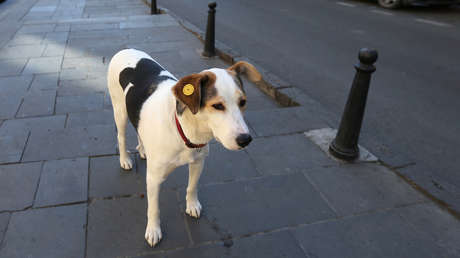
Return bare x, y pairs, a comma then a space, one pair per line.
63, 194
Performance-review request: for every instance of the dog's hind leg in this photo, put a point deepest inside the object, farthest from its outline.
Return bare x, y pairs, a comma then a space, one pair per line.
193, 204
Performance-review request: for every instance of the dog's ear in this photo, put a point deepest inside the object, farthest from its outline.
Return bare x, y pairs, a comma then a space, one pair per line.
247, 69
188, 90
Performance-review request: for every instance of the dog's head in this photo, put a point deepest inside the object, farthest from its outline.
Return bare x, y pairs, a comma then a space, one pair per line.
217, 98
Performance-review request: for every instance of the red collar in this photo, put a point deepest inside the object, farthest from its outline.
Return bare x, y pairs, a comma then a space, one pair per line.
184, 138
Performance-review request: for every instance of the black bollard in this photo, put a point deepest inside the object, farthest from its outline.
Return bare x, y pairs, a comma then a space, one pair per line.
209, 48
153, 7
345, 144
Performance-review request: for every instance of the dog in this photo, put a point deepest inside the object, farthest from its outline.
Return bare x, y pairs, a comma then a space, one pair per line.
175, 120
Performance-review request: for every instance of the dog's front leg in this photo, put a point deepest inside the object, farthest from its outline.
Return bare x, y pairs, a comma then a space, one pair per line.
193, 204
155, 176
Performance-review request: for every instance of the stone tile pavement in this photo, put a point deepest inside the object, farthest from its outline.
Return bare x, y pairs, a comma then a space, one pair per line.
62, 193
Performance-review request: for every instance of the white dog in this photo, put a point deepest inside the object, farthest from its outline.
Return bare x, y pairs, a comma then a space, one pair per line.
175, 119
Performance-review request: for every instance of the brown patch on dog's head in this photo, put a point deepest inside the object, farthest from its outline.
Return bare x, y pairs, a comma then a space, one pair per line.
190, 89
246, 69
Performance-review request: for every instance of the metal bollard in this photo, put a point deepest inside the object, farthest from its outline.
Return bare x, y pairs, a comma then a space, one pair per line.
209, 48
153, 7
345, 144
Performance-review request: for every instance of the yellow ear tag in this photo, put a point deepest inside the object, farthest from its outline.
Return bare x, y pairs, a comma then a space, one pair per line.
188, 89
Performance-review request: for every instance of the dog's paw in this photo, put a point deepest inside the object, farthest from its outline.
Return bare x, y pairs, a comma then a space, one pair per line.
126, 163
153, 235
141, 151
193, 208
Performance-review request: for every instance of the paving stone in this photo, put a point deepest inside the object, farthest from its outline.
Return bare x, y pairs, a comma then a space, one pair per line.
32, 124
18, 183
54, 50
10, 67
94, 26
12, 146
27, 39
38, 104
4, 219
32, 28
362, 187
117, 227
64, 227
14, 84
241, 208
63, 181
25, 51
43, 65
441, 226
82, 87
278, 244
107, 178
83, 119
68, 104
62, 28
70, 143
283, 121
46, 81
372, 235
56, 37
285, 154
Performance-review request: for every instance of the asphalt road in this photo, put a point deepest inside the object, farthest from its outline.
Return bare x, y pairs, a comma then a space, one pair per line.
412, 120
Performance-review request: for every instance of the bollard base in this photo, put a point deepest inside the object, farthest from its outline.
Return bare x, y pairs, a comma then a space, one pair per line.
208, 54
348, 154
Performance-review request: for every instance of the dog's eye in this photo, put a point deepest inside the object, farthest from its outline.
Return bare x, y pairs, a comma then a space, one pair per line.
218, 106
242, 103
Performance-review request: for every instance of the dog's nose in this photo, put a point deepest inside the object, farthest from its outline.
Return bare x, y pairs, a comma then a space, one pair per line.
243, 140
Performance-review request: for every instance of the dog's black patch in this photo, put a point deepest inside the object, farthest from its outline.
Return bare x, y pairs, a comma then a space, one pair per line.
145, 78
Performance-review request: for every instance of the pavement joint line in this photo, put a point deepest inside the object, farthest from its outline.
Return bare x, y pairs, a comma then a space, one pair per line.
25, 145
433, 22
346, 4
38, 184
382, 12
85, 251
321, 194
6, 230
404, 165
187, 227
440, 203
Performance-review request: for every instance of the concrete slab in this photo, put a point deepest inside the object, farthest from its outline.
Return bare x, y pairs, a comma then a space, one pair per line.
362, 188
12, 146
43, 65
247, 207
18, 183
11, 67
48, 81
271, 245
84, 119
54, 50
64, 227
68, 104
33, 124
32, 28
286, 154
107, 178
283, 121
25, 51
382, 234
70, 143
63, 181
123, 234
38, 104
438, 224
27, 39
